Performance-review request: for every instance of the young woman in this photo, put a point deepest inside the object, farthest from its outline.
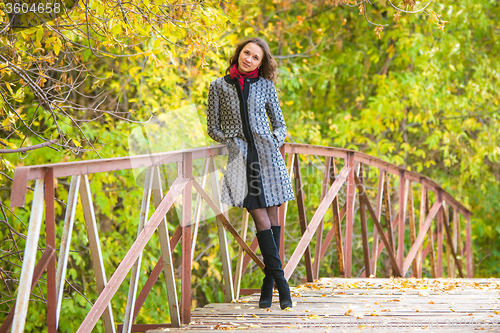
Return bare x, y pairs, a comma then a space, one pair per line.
256, 177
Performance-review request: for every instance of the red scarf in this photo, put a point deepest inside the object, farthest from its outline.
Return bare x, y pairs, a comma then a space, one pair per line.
234, 72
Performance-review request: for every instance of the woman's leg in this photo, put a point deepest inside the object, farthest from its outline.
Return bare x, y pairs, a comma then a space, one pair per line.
269, 250
262, 223
260, 218
272, 212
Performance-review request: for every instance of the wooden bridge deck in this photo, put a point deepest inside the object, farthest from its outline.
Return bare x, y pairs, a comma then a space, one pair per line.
373, 305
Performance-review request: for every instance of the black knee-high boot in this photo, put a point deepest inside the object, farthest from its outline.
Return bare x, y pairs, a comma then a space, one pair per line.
273, 263
266, 292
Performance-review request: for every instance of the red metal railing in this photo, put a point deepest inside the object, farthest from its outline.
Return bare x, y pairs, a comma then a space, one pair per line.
351, 178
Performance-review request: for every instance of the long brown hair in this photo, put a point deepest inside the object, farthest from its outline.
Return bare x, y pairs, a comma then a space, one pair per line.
268, 67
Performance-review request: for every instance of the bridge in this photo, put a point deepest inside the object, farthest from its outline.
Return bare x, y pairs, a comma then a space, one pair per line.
344, 190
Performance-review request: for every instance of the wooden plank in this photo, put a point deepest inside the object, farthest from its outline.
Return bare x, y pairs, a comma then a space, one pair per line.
221, 233
95, 249
430, 238
166, 255
50, 232
388, 213
468, 247
457, 224
439, 261
454, 236
423, 195
403, 194
239, 264
302, 217
319, 232
127, 262
27, 270
306, 149
450, 269
198, 204
320, 212
351, 192
62, 261
378, 213
282, 212
421, 234
187, 173
364, 226
338, 216
136, 268
411, 223
330, 306
19, 186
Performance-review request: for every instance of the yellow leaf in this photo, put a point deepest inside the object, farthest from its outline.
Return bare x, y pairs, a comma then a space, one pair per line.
77, 143
39, 34
57, 48
313, 316
5, 142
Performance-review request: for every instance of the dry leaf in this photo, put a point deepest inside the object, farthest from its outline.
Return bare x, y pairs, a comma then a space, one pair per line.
313, 316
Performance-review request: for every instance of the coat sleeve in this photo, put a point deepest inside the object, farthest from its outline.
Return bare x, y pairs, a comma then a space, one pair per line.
213, 121
276, 116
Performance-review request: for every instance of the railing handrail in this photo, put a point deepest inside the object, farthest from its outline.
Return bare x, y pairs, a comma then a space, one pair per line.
65, 169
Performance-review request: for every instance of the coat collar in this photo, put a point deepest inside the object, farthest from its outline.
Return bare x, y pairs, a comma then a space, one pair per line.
228, 79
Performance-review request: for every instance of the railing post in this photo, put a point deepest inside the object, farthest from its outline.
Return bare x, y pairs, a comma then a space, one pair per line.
69, 219
239, 264
50, 231
136, 269
221, 233
403, 194
378, 212
95, 249
319, 232
439, 268
351, 192
364, 225
283, 208
468, 244
411, 223
166, 254
23, 294
388, 214
187, 169
301, 207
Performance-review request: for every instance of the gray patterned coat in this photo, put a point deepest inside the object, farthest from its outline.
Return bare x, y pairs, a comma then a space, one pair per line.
225, 125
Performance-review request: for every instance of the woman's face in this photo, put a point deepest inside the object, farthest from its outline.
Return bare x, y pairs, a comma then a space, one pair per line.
250, 58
